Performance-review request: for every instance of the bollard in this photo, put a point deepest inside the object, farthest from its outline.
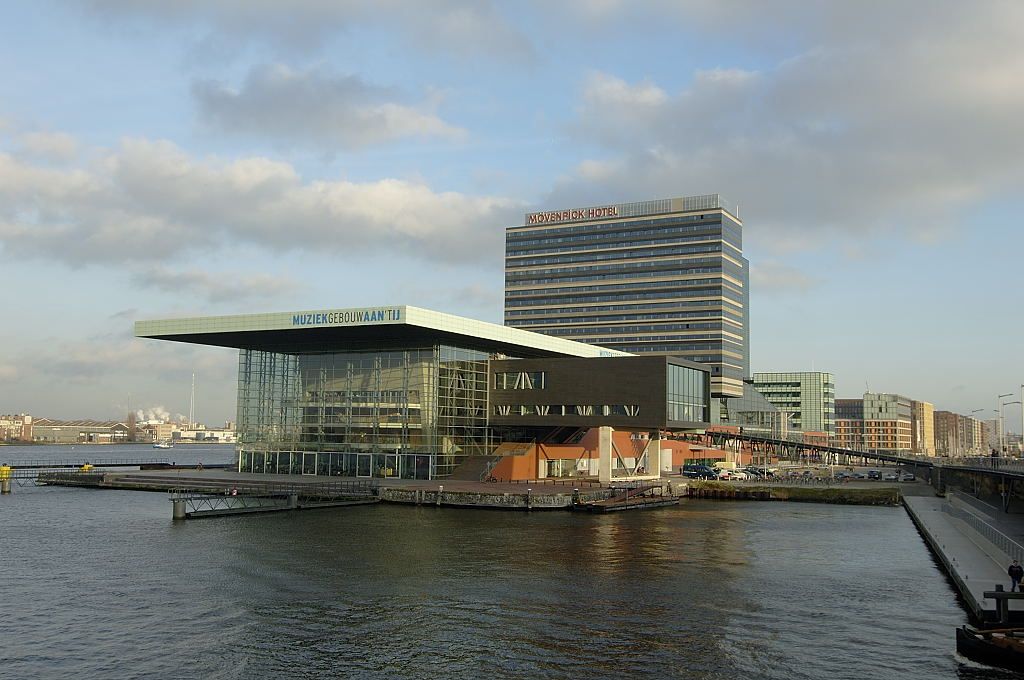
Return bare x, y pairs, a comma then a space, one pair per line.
179, 508
440, 490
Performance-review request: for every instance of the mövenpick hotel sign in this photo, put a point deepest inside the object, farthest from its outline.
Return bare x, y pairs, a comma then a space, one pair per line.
572, 215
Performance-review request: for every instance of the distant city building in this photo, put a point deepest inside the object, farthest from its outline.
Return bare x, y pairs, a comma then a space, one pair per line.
155, 431
46, 430
202, 434
922, 428
809, 396
16, 428
958, 435
877, 422
664, 276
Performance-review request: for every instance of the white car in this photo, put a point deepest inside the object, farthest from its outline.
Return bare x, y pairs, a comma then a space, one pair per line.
732, 474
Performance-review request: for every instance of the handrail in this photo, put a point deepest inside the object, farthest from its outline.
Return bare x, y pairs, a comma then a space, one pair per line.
1011, 548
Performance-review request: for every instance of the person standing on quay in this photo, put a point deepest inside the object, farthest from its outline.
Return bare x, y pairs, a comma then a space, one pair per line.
1016, 572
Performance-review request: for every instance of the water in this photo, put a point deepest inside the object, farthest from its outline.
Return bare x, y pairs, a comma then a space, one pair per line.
101, 584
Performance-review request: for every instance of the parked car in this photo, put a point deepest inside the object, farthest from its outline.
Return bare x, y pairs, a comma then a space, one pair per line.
891, 477
697, 471
908, 477
874, 474
738, 475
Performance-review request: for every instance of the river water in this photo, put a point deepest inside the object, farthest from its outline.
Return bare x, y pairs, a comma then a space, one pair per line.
102, 584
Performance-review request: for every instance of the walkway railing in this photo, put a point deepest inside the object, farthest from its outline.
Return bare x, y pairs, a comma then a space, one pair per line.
1011, 548
334, 489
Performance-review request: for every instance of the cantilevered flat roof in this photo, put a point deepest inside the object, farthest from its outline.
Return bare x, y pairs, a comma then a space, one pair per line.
362, 328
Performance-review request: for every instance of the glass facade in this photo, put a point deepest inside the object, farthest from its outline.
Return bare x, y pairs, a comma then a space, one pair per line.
686, 394
755, 414
809, 396
412, 413
664, 276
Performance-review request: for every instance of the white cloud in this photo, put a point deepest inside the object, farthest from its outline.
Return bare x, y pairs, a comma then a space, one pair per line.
217, 287
58, 146
768, 277
149, 200
315, 108
865, 128
456, 27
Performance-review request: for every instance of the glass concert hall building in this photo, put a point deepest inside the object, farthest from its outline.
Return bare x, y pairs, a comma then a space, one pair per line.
411, 393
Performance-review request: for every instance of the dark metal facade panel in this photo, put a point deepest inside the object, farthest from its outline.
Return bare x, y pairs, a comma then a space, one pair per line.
638, 381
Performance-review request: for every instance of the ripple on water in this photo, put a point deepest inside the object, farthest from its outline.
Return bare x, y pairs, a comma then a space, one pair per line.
104, 585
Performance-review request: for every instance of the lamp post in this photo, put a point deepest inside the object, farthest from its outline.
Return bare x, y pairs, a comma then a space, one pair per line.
1001, 437
999, 421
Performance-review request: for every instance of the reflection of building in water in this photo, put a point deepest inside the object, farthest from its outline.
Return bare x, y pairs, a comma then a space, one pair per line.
406, 392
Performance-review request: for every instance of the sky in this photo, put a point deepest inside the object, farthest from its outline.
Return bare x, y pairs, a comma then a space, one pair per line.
236, 156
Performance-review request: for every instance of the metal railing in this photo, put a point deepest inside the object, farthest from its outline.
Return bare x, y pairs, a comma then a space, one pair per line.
1011, 548
78, 462
335, 489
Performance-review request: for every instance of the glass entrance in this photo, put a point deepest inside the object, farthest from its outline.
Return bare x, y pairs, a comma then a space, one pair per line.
363, 467
309, 463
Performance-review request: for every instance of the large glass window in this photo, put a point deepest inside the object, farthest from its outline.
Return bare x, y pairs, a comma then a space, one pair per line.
413, 413
686, 394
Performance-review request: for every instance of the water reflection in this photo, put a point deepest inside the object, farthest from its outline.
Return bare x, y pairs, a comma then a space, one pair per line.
106, 586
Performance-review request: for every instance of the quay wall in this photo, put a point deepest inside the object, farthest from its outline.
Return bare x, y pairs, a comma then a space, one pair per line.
500, 500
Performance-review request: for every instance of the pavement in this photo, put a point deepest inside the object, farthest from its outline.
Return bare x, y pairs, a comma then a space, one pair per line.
973, 561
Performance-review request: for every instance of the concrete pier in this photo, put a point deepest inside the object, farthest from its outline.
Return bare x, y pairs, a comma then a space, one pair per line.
5, 485
975, 548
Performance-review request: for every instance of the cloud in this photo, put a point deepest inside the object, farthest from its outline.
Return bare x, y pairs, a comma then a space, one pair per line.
138, 199
455, 27
8, 372
222, 286
862, 129
315, 109
97, 357
57, 146
768, 277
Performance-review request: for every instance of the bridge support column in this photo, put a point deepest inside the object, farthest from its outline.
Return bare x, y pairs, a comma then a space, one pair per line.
5, 486
293, 501
654, 455
179, 508
604, 454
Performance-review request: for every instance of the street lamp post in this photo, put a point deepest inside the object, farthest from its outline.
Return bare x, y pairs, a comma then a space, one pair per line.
999, 421
1001, 437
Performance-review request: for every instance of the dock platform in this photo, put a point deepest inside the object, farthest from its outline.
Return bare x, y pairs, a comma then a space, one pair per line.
975, 547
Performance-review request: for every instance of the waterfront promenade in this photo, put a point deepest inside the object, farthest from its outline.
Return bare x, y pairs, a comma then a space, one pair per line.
975, 542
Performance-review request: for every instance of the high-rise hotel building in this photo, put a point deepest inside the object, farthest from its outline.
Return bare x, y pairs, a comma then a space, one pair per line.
665, 276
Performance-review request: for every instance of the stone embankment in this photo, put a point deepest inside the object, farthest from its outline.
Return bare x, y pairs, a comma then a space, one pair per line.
842, 495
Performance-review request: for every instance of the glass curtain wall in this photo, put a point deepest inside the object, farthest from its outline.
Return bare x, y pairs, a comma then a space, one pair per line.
410, 413
686, 389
